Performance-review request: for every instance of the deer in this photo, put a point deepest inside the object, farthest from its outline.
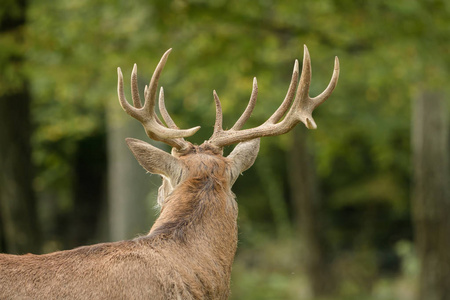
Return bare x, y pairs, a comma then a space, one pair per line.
189, 251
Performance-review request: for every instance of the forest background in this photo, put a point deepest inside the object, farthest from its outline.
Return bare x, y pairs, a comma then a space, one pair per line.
357, 209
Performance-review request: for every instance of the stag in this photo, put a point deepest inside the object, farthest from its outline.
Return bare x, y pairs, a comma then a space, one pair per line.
189, 250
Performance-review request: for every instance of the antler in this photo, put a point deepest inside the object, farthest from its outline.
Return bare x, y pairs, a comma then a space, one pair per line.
153, 126
300, 111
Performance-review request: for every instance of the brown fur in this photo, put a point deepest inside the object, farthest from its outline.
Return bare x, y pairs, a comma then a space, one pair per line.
187, 254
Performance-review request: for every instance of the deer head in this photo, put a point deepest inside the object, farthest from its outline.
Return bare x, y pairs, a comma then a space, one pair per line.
296, 107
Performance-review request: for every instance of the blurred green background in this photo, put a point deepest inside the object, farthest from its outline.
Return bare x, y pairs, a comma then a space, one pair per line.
336, 213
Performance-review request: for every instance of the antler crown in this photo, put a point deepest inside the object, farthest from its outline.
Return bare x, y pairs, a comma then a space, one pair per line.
297, 107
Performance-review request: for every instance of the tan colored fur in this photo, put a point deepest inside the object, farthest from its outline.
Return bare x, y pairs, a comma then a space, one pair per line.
187, 254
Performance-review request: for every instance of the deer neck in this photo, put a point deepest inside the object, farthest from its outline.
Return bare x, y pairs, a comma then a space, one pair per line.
200, 216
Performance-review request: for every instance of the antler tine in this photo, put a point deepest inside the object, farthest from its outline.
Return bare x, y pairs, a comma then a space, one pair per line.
150, 99
249, 109
122, 99
305, 79
146, 114
303, 104
134, 88
279, 113
333, 82
300, 110
162, 109
302, 107
219, 116
154, 115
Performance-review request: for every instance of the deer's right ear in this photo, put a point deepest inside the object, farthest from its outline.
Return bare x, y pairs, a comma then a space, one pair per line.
155, 160
242, 157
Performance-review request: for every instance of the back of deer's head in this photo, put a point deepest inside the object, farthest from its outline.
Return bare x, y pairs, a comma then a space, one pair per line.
188, 160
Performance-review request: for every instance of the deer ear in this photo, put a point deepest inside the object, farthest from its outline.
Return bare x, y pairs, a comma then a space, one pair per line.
242, 157
155, 160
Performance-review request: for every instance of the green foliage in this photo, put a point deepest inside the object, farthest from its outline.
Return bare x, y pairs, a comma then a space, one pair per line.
267, 269
11, 50
387, 50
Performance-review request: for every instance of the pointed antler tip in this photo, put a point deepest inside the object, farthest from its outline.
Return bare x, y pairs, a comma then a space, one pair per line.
310, 124
305, 53
336, 63
164, 58
192, 131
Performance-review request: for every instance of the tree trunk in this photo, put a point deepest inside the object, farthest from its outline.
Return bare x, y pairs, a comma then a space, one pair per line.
273, 188
431, 197
305, 198
131, 191
89, 191
18, 218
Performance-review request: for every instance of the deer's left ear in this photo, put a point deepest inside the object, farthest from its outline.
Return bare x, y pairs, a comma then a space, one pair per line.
155, 160
242, 157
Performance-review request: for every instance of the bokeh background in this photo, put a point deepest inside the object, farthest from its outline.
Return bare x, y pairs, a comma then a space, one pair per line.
357, 209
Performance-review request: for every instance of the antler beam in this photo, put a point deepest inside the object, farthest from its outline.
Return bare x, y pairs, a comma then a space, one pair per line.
300, 110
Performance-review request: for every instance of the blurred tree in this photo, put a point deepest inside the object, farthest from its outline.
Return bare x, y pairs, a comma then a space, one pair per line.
64, 62
431, 194
18, 218
129, 187
89, 191
309, 215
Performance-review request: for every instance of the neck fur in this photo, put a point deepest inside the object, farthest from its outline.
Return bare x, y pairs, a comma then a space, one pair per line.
200, 214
